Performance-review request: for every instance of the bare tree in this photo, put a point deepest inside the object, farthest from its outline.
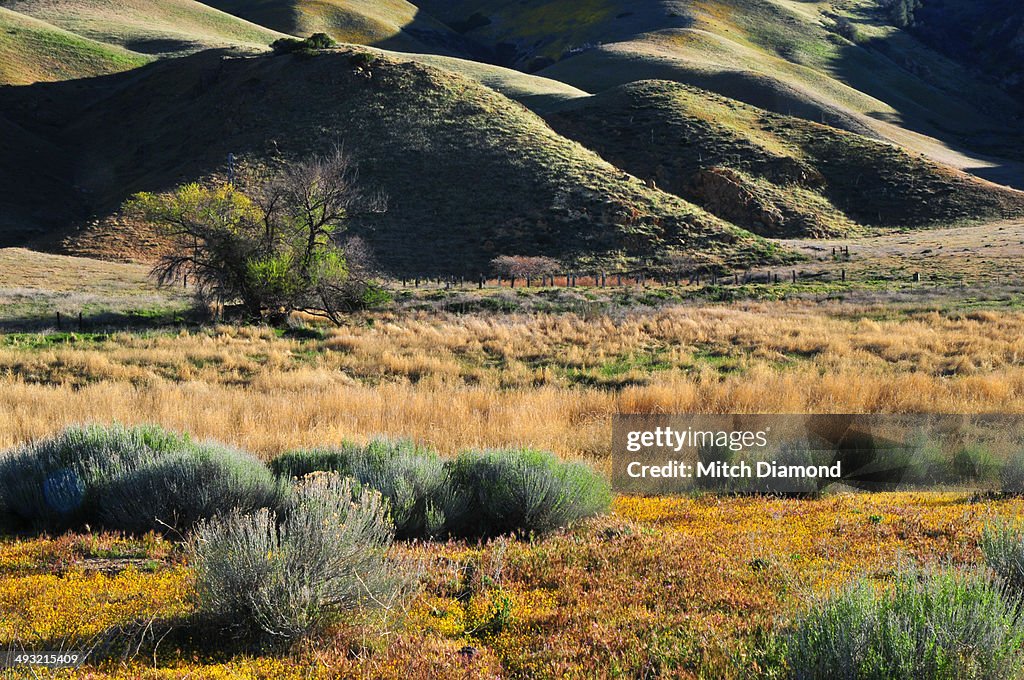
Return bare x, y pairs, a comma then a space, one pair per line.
520, 266
273, 247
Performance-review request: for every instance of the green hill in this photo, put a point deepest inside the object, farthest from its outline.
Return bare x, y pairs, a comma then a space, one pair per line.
391, 24
32, 51
159, 27
828, 62
775, 175
538, 94
471, 174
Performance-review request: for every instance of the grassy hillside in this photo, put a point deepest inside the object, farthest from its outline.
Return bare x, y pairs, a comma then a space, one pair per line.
828, 62
471, 174
393, 24
776, 175
32, 50
537, 93
163, 27
35, 186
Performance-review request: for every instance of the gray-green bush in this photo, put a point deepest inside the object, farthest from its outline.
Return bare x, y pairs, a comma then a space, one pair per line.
127, 479
1011, 475
283, 575
930, 625
524, 491
973, 464
179, 489
1002, 544
413, 479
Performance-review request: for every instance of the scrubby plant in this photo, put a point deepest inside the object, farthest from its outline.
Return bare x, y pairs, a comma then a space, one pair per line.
179, 489
299, 463
54, 483
413, 479
127, 479
1002, 544
973, 464
1011, 475
925, 464
283, 575
525, 491
317, 41
929, 625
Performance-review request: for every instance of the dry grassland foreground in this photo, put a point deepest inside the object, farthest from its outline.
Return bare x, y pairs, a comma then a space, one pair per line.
544, 380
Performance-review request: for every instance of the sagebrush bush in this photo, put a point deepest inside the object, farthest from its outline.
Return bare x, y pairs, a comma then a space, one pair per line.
1011, 475
414, 480
55, 483
127, 479
285, 574
930, 625
525, 491
973, 464
178, 489
1002, 544
298, 464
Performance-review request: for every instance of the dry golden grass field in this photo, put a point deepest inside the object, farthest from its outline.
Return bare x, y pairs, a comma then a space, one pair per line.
661, 587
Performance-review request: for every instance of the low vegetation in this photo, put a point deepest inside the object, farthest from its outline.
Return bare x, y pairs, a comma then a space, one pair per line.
940, 625
474, 495
134, 479
526, 492
285, 575
415, 481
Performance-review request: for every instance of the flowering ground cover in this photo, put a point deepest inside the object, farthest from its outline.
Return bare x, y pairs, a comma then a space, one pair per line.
676, 587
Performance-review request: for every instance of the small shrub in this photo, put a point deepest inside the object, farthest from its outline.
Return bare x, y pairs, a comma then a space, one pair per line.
283, 576
298, 464
413, 479
924, 464
132, 479
1011, 476
54, 483
1002, 544
320, 41
362, 59
973, 464
524, 491
933, 626
317, 41
179, 489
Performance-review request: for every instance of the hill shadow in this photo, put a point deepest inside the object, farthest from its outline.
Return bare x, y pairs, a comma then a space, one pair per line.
981, 125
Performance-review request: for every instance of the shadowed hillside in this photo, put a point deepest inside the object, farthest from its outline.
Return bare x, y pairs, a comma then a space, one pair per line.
776, 175
390, 24
471, 174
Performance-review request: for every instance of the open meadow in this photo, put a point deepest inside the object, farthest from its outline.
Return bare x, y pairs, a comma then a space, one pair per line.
677, 587
368, 338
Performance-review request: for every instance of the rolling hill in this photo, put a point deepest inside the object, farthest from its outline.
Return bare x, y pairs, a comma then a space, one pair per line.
436, 142
156, 27
596, 130
32, 50
391, 24
773, 174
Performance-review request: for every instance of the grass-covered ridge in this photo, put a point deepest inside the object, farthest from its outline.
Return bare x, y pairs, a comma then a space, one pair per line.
776, 175
152, 27
32, 50
471, 174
